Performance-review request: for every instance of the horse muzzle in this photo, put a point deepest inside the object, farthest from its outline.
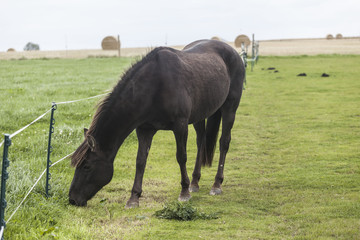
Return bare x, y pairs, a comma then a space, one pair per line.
77, 203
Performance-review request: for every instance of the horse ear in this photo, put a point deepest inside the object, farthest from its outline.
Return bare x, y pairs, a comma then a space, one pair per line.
85, 131
91, 142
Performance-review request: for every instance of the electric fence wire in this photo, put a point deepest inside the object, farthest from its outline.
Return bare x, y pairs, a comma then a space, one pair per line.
42, 174
42, 115
33, 186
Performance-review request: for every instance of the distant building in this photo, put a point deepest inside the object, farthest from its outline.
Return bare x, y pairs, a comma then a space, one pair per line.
31, 47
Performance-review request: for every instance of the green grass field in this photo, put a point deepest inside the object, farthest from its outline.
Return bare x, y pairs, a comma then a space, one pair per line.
292, 171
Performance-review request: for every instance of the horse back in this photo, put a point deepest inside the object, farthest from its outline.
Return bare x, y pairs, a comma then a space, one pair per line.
198, 80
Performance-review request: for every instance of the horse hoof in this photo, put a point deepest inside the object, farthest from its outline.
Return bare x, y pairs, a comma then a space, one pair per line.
194, 188
184, 198
215, 191
132, 204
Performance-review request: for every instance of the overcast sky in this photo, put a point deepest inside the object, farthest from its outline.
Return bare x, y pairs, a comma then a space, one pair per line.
82, 24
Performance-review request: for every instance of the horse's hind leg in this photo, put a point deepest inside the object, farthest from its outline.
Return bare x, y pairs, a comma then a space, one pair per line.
145, 137
200, 141
181, 133
228, 118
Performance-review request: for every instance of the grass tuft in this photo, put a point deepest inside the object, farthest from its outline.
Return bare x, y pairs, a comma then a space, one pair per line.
183, 211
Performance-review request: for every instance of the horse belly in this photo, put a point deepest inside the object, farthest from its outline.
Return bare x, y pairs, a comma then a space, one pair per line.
209, 97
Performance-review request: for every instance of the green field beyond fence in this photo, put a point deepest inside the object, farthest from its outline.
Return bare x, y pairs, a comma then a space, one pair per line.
292, 171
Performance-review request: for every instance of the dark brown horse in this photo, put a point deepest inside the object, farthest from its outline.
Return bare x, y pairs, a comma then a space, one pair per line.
167, 90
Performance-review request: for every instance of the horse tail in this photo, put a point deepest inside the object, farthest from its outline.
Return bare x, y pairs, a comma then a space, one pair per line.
211, 135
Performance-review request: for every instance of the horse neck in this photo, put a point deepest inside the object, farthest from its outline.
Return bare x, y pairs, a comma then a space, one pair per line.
115, 126
123, 111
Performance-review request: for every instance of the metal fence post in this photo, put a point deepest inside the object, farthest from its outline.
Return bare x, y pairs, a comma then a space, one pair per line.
244, 58
257, 51
4, 177
253, 52
48, 162
119, 46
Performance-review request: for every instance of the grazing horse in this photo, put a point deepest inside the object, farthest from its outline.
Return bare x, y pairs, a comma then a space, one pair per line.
166, 90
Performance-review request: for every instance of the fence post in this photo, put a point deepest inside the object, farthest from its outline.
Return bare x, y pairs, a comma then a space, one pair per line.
253, 52
48, 162
119, 46
244, 58
4, 177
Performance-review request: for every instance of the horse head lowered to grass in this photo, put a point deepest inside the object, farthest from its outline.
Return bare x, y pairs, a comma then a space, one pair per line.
166, 90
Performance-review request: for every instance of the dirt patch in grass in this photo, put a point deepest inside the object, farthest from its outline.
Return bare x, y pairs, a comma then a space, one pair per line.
119, 228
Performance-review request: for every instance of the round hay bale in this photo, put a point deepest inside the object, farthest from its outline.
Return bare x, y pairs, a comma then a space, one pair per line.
110, 43
329, 37
339, 36
242, 39
11, 50
216, 38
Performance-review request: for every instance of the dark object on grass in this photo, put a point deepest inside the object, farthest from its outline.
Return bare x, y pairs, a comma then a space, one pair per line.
166, 90
276, 71
271, 68
183, 211
302, 75
325, 75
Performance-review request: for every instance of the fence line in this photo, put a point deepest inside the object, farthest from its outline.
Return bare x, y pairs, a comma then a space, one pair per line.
48, 166
41, 116
254, 56
32, 188
83, 99
23, 128
62, 159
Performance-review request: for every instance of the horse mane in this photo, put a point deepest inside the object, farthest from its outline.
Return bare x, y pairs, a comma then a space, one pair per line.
81, 152
104, 105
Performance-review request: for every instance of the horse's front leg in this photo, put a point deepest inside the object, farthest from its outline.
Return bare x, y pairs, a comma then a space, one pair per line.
145, 137
181, 134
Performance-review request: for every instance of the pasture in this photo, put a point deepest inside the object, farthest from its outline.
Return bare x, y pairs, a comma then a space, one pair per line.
292, 171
